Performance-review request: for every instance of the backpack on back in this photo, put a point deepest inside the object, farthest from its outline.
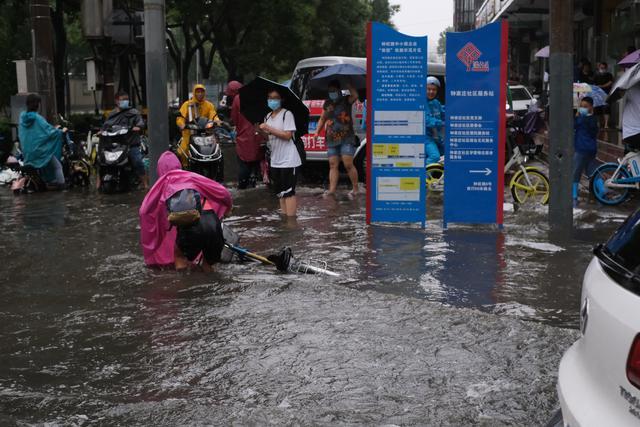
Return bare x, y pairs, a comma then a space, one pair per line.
184, 207
297, 140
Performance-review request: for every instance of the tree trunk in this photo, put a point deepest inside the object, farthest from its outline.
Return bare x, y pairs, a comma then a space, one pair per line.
108, 92
60, 53
206, 61
231, 66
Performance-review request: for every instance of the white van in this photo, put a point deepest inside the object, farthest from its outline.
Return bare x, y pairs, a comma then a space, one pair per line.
300, 84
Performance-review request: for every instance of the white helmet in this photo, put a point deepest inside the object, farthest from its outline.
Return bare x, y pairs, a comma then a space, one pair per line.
433, 81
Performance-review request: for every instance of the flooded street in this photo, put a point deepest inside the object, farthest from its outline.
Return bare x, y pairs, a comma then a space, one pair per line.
424, 327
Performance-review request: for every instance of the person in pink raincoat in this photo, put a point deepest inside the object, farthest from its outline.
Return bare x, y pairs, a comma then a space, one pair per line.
166, 245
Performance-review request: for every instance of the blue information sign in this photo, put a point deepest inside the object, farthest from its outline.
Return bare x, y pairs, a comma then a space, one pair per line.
396, 101
475, 126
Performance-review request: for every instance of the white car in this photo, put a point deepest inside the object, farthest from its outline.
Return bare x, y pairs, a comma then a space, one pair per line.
599, 376
521, 99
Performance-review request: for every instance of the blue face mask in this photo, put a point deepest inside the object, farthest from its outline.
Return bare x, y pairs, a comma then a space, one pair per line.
583, 111
123, 103
274, 104
334, 96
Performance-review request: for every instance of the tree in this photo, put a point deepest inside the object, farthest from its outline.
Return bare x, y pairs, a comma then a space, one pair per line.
15, 43
382, 11
260, 37
268, 38
442, 41
187, 32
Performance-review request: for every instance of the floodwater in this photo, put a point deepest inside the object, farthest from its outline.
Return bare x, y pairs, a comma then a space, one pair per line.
424, 327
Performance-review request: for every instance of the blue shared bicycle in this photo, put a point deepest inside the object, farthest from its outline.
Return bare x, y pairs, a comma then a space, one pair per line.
611, 183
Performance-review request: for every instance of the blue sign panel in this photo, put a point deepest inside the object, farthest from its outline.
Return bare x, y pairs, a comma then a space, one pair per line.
396, 99
475, 125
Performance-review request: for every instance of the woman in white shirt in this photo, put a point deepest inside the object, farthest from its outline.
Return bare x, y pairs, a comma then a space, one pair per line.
280, 126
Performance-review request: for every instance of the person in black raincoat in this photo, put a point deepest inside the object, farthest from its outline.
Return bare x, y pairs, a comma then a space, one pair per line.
126, 116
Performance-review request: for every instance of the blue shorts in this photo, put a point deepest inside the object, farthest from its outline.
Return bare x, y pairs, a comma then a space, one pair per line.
344, 149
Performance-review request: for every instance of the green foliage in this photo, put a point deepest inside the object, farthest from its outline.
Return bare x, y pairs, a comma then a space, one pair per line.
235, 38
78, 48
442, 41
15, 43
382, 11
268, 38
5, 127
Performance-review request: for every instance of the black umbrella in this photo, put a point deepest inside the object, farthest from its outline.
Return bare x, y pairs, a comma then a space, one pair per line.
253, 103
346, 74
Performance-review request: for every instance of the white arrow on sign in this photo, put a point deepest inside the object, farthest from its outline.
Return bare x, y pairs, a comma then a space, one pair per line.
485, 171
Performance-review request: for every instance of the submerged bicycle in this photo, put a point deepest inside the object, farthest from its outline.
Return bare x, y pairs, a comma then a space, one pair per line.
611, 183
529, 185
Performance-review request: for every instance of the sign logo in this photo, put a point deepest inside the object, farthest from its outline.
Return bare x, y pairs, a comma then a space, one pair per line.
469, 56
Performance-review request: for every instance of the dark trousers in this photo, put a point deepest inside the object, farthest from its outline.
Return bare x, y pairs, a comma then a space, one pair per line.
248, 173
582, 163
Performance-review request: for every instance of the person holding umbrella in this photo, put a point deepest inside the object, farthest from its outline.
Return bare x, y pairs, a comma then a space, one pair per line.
282, 118
279, 127
628, 86
340, 136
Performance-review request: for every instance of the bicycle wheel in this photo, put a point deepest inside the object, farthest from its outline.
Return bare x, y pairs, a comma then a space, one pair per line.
435, 177
536, 193
603, 193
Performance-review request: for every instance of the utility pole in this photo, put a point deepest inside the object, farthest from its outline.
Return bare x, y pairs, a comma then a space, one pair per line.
42, 39
561, 117
156, 64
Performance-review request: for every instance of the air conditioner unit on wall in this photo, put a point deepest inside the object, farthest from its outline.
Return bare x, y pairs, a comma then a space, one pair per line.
94, 14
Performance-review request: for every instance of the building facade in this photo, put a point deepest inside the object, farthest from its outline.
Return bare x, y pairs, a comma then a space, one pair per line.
603, 31
464, 14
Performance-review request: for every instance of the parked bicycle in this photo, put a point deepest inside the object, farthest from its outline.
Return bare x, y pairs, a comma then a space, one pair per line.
611, 183
528, 185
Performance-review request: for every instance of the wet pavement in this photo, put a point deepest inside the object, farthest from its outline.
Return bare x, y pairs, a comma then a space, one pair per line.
424, 327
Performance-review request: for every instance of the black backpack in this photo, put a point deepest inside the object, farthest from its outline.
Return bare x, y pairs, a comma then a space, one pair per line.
297, 139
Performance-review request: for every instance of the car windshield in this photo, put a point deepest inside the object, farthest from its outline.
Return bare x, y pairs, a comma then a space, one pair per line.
300, 81
621, 254
520, 94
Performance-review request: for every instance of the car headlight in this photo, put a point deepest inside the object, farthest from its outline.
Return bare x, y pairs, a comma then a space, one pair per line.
112, 156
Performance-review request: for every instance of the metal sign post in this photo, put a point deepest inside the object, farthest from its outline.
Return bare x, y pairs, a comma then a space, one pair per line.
561, 117
396, 99
475, 125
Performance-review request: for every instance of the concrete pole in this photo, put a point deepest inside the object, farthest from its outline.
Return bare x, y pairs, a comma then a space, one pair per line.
561, 117
156, 64
42, 39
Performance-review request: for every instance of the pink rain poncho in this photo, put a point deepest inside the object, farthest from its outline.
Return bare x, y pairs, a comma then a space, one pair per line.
157, 239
